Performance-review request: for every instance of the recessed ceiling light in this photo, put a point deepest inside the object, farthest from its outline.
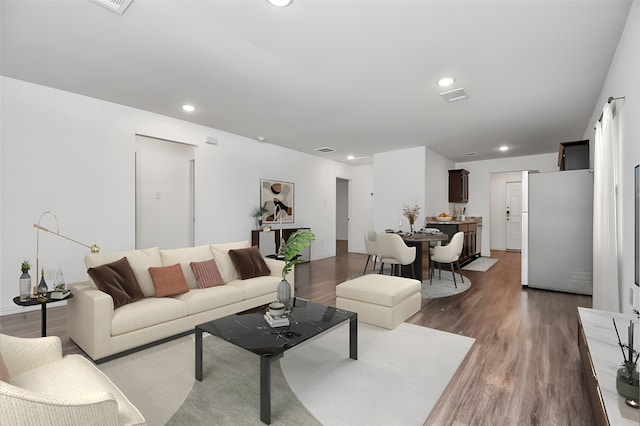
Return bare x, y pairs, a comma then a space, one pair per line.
280, 3
504, 148
188, 108
445, 81
350, 157
261, 138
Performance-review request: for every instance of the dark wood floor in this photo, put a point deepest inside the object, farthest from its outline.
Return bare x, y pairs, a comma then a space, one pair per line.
524, 368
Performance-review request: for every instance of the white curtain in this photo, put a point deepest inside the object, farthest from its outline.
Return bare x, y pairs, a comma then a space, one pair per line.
605, 247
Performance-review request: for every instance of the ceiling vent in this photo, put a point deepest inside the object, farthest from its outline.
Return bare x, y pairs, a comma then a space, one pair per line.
118, 6
325, 149
454, 95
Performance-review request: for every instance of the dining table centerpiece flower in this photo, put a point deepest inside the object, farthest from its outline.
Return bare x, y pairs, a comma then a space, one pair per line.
411, 213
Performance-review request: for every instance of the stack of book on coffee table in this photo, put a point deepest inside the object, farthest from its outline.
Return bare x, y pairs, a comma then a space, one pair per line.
276, 321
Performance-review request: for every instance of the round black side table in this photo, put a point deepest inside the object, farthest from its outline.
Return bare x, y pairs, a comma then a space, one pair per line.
34, 301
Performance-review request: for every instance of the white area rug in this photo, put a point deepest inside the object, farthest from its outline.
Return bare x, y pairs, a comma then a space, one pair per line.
481, 264
397, 379
444, 286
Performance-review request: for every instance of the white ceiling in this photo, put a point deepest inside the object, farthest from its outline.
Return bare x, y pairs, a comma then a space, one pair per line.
358, 76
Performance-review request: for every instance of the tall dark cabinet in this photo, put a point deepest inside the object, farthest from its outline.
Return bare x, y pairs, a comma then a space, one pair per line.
458, 186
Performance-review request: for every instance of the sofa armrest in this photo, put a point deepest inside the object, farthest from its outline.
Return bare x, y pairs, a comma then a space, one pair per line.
24, 407
23, 354
276, 266
89, 315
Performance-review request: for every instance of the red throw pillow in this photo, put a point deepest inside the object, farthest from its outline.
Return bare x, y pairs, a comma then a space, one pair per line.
118, 280
207, 273
249, 263
168, 280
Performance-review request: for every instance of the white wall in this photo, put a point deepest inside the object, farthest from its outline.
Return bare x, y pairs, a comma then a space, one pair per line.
399, 178
480, 184
437, 190
622, 80
361, 207
75, 155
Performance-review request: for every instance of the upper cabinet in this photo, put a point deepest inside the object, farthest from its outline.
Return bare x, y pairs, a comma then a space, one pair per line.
458, 186
573, 155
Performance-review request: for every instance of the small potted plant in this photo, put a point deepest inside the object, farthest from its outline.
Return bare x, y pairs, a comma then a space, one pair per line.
260, 212
297, 242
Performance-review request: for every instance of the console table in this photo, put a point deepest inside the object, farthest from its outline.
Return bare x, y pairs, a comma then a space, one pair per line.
601, 358
269, 242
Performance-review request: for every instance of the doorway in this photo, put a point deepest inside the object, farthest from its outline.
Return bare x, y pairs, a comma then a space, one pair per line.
342, 216
513, 216
165, 197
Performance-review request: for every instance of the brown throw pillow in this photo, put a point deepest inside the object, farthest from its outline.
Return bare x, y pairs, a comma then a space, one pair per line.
207, 273
168, 280
249, 263
118, 280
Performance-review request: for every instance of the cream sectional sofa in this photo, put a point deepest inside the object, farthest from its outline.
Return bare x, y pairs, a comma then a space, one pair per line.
104, 332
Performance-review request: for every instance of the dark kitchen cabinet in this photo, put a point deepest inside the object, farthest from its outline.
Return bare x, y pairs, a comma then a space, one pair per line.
573, 155
471, 240
458, 186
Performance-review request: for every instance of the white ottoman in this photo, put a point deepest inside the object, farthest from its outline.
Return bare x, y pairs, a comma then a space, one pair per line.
380, 300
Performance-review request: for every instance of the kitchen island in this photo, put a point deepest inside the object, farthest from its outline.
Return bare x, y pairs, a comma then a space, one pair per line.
472, 228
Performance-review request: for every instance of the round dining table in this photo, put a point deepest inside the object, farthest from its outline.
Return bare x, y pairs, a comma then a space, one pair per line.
417, 240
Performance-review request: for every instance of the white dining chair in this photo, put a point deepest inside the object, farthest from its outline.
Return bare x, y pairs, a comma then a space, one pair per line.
392, 250
450, 254
370, 244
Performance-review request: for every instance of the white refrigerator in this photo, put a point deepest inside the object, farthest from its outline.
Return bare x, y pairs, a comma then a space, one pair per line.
557, 231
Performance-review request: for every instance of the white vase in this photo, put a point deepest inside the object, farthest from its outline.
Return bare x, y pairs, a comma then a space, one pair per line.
25, 287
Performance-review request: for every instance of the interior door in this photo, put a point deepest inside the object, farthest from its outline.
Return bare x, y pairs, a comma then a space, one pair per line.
164, 193
513, 213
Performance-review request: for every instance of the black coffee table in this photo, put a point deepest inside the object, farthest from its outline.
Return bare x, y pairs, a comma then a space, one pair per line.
250, 331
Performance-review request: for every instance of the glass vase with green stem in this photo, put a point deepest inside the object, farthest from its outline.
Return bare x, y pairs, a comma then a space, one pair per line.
297, 242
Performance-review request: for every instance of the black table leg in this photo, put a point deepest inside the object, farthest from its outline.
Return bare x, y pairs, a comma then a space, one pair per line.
265, 390
44, 320
353, 337
198, 354
414, 270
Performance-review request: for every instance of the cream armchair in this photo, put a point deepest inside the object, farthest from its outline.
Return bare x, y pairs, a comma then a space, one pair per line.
40, 386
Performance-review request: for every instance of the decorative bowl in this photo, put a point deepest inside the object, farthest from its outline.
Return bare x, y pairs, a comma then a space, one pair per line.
276, 309
444, 219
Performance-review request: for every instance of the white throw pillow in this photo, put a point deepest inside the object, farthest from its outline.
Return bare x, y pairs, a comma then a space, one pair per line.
140, 261
184, 256
221, 254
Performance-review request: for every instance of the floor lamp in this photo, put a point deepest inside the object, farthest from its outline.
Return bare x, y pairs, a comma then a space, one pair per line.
94, 248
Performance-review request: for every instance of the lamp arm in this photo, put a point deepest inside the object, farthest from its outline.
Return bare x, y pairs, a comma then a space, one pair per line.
94, 248
64, 236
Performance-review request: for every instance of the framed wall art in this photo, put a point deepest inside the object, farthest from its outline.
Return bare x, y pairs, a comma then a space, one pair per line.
279, 197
